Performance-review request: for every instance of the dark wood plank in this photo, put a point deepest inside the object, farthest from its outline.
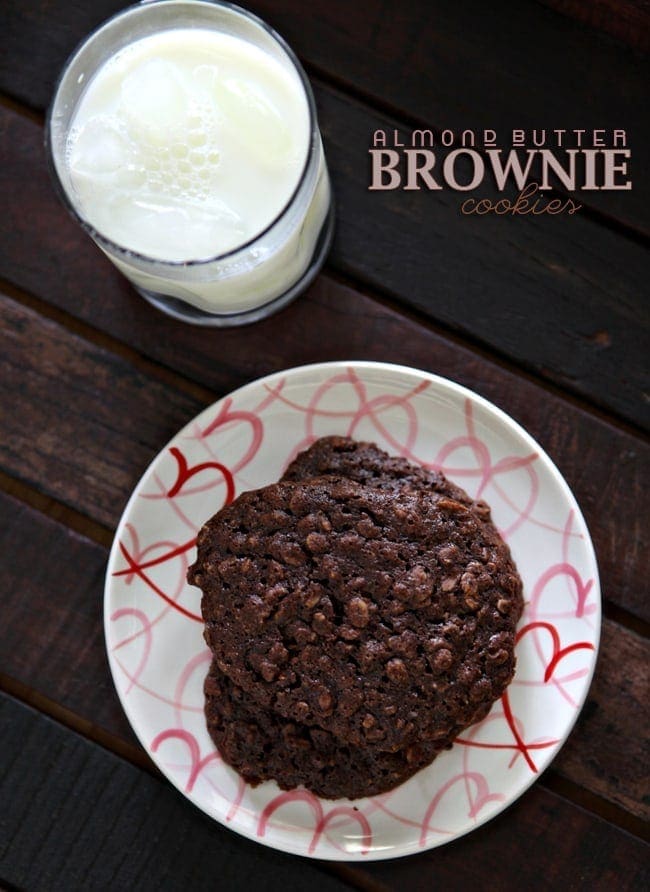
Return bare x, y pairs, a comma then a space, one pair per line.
92, 376
476, 65
115, 826
607, 468
62, 651
119, 828
557, 855
80, 423
626, 20
446, 65
58, 619
564, 298
614, 727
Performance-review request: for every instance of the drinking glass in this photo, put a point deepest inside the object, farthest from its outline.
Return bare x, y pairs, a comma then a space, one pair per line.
255, 278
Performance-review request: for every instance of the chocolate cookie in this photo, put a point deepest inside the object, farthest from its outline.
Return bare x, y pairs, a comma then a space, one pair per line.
262, 745
368, 464
383, 615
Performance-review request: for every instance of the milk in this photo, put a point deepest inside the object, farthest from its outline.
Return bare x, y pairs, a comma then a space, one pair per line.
192, 143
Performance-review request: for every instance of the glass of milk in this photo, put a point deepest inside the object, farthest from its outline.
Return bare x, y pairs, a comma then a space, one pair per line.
183, 137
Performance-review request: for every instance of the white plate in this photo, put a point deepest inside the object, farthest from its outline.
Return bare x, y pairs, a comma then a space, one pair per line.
154, 631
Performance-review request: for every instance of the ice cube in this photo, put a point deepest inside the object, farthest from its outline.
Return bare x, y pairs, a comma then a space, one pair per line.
154, 102
99, 148
150, 226
207, 77
213, 227
255, 121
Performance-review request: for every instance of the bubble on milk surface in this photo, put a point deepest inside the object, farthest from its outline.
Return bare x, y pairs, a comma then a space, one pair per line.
172, 125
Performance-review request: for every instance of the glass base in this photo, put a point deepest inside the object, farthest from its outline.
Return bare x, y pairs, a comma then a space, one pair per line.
185, 312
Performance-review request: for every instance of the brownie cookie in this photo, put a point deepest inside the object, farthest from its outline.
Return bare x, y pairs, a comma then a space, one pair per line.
368, 464
262, 745
383, 615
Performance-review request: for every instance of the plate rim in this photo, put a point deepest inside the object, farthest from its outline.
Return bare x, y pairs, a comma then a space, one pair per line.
405, 849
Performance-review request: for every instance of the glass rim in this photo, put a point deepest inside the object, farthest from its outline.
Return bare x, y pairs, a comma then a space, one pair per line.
128, 253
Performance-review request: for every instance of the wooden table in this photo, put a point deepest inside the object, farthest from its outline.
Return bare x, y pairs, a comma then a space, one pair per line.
548, 318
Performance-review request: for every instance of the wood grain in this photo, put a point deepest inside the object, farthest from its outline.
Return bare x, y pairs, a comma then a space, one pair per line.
560, 852
477, 65
442, 65
599, 742
626, 20
59, 622
90, 438
116, 826
95, 382
80, 423
62, 651
563, 297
